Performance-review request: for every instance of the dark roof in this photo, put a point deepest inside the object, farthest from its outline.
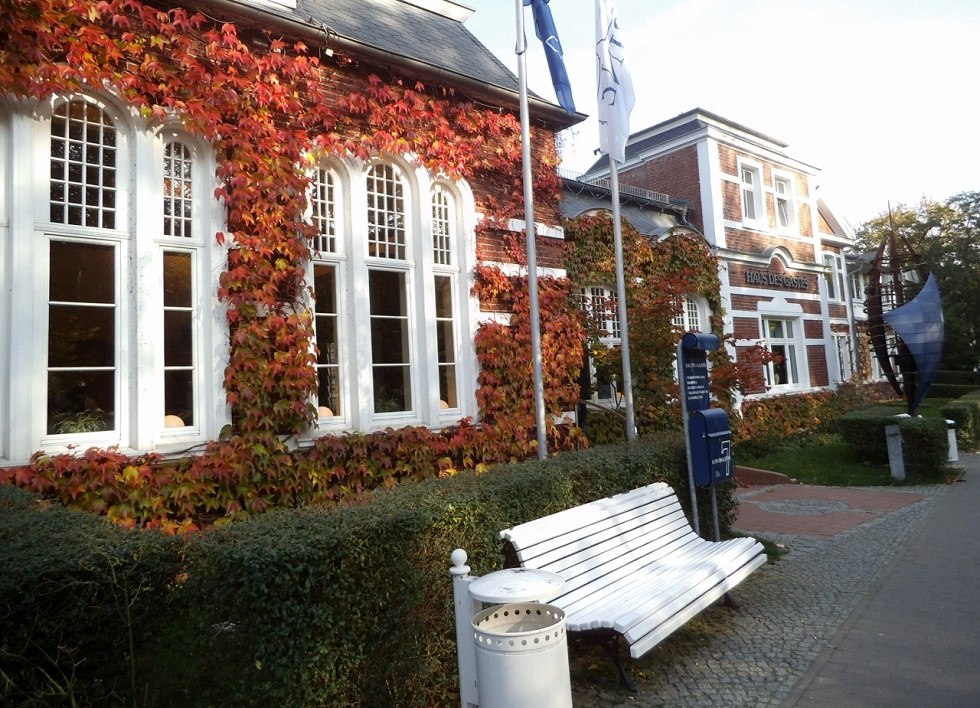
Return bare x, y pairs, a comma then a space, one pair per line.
417, 40
650, 213
406, 30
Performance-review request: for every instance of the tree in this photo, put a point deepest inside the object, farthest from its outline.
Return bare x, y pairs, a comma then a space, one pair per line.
947, 236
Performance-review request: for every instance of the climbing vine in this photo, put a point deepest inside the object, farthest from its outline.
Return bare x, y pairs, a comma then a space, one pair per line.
658, 275
264, 107
506, 381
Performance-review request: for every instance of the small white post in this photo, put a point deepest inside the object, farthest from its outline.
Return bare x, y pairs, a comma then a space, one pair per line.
466, 608
896, 461
954, 452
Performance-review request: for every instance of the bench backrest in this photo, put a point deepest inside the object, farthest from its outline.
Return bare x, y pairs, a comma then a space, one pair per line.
605, 537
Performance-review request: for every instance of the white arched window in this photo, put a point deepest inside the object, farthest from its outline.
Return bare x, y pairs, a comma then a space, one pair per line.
688, 316
390, 302
328, 277
116, 279
446, 289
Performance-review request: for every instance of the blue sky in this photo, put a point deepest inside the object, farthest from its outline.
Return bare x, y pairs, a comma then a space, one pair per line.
882, 97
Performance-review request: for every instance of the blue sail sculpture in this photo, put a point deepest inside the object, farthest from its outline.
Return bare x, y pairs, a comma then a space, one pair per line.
919, 325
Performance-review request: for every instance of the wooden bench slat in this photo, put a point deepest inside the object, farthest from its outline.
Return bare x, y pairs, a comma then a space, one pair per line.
597, 531
608, 588
719, 565
653, 582
641, 646
610, 570
582, 555
570, 520
633, 564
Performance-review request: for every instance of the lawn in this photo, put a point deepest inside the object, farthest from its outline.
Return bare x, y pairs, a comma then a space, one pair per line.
824, 459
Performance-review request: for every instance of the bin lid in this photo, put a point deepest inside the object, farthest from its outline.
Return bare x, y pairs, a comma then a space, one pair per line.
516, 585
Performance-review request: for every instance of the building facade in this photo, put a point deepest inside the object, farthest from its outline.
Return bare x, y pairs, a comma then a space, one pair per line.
781, 249
112, 255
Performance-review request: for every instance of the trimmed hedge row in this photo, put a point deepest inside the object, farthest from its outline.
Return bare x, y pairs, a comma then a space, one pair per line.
965, 413
301, 607
938, 390
925, 441
959, 378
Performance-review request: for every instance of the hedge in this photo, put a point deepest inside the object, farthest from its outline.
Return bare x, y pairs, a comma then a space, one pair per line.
925, 441
299, 607
965, 413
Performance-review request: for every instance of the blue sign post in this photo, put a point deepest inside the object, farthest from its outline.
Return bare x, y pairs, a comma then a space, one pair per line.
706, 430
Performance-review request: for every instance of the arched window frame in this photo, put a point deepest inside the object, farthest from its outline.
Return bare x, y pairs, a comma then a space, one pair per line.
417, 269
134, 247
330, 271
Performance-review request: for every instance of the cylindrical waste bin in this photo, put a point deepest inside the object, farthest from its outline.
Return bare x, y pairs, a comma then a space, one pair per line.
522, 656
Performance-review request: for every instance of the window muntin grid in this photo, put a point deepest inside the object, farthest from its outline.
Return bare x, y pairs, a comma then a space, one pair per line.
83, 166
442, 227
179, 381
391, 353
446, 341
325, 211
602, 310
688, 316
178, 200
750, 193
783, 370
784, 202
386, 213
82, 373
326, 324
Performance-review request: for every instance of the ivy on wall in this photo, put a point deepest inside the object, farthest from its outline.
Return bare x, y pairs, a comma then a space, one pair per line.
265, 106
506, 381
658, 275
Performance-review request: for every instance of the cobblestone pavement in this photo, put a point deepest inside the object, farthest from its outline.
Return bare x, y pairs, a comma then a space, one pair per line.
789, 611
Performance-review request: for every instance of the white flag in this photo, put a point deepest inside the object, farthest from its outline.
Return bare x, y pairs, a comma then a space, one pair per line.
615, 88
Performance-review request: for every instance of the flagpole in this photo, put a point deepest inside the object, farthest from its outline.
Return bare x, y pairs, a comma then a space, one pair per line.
621, 297
531, 234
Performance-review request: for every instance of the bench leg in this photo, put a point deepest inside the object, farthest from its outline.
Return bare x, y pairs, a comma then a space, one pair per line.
730, 601
610, 641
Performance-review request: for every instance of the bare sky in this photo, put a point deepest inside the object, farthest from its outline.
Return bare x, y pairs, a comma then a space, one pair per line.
882, 97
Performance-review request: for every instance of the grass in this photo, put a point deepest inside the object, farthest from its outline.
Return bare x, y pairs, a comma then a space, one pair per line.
824, 459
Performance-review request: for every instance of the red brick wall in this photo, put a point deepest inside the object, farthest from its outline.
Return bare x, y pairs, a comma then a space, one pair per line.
746, 328
756, 242
813, 329
675, 175
816, 357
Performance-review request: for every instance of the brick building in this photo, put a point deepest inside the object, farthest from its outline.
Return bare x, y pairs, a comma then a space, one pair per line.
781, 248
112, 331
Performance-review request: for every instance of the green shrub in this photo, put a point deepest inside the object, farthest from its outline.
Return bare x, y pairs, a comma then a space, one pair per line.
768, 422
960, 378
80, 602
295, 607
925, 441
925, 447
965, 414
938, 390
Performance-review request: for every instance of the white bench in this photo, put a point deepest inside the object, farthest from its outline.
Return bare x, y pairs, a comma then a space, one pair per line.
632, 565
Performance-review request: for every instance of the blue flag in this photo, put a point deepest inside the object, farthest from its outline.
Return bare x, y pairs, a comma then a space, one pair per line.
544, 28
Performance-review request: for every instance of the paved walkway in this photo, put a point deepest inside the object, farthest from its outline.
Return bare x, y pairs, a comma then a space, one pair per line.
871, 605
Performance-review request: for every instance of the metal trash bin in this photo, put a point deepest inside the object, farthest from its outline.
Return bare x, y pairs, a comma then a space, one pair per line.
522, 656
